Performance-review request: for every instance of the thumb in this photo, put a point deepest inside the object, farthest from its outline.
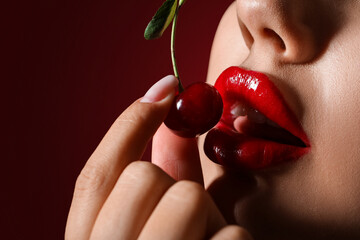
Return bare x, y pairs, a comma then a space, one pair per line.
177, 156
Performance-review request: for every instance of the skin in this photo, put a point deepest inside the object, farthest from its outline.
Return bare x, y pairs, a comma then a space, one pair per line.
310, 47
118, 197
318, 196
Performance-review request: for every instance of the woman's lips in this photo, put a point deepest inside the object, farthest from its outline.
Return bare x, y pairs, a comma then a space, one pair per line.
271, 136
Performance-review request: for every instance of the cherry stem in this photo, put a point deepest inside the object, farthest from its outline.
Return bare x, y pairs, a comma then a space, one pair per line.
173, 58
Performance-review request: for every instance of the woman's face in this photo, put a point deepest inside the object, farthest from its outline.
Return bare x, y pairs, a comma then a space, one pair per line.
311, 50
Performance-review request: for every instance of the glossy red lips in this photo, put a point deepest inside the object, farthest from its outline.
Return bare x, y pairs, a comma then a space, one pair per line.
274, 136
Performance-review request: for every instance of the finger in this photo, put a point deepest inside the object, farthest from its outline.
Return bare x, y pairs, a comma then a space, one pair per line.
232, 232
131, 202
177, 156
186, 211
123, 143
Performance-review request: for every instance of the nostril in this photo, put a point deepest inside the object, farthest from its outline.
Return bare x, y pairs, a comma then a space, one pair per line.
275, 38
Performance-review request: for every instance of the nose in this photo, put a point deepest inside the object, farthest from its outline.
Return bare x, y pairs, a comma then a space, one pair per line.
295, 30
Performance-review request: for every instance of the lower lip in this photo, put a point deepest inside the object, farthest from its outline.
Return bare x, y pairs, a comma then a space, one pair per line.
229, 148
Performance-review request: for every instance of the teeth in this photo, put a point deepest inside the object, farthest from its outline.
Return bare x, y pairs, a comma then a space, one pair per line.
255, 116
252, 114
238, 110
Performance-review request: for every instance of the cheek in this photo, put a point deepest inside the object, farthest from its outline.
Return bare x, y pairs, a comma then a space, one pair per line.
329, 178
337, 126
228, 48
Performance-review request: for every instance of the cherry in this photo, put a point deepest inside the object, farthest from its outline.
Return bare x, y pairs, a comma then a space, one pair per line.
195, 110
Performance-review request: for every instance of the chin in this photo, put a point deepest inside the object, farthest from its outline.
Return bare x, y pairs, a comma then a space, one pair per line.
264, 204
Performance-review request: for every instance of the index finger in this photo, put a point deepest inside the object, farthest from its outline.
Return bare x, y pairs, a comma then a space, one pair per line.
124, 143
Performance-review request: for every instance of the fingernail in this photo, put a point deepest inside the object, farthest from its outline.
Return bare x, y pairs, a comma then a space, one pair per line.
160, 90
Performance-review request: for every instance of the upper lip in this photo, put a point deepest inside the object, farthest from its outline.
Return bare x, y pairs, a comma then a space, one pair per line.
257, 91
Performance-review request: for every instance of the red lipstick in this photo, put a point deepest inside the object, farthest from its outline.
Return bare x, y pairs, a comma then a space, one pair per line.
257, 129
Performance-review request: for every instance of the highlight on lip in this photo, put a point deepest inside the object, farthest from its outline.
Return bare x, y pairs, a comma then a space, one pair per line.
257, 129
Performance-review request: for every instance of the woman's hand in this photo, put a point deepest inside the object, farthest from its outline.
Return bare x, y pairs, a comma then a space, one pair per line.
118, 197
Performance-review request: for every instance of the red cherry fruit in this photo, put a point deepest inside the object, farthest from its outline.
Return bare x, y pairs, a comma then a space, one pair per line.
195, 110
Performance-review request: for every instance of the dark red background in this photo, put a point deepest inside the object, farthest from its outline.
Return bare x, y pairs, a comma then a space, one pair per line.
69, 68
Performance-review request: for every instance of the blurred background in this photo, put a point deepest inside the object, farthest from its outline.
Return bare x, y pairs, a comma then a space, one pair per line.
69, 68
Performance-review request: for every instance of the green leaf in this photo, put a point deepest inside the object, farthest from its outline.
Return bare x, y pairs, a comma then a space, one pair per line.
181, 2
161, 20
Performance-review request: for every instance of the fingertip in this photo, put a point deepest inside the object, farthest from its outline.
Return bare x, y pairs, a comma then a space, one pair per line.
161, 90
232, 232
